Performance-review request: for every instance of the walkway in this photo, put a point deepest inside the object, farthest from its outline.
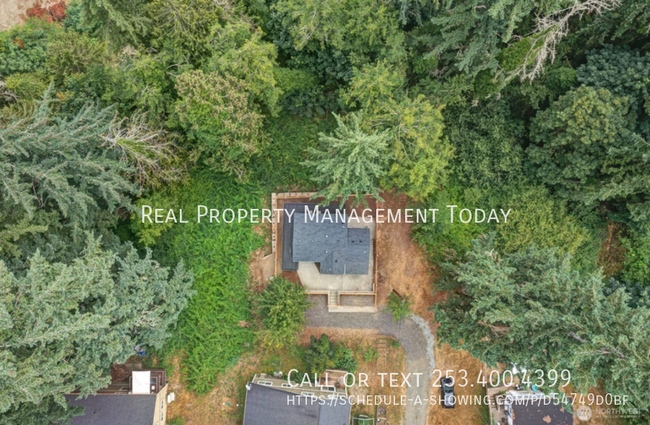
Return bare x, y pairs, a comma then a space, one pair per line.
413, 333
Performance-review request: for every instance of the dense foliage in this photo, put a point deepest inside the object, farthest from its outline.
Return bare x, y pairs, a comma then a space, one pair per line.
541, 108
281, 306
528, 307
322, 353
214, 330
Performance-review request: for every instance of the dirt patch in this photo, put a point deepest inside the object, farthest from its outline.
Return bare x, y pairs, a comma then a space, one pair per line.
13, 12
611, 255
262, 267
402, 264
461, 366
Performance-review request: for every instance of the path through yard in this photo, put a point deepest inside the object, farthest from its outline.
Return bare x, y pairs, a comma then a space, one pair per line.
416, 339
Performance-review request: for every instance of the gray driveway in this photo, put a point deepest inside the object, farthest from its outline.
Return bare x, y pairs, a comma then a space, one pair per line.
413, 333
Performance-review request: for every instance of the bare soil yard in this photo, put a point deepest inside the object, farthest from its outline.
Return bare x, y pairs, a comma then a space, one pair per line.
403, 265
13, 12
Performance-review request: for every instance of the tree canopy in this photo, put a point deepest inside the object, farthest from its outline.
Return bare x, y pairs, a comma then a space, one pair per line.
281, 306
532, 309
64, 325
540, 108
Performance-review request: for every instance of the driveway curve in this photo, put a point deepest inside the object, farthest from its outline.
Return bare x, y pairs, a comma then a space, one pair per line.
413, 333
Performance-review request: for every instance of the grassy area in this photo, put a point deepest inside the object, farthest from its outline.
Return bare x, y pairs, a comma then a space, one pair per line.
213, 331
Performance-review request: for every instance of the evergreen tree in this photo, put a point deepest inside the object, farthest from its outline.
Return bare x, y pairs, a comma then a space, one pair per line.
532, 309
183, 27
120, 22
350, 162
586, 146
55, 174
366, 29
320, 355
420, 152
62, 326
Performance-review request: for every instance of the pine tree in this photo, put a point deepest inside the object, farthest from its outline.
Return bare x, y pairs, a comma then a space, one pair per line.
531, 308
62, 326
350, 162
119, 22
57, 164
56, 175
420, 152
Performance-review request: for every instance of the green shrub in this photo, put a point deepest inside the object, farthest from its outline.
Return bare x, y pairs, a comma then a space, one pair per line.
23, 48
28, 86
345, 359
637, 256
323, 354
370, 354
486, 143
444, 240
71, 54
281, 306
399, 307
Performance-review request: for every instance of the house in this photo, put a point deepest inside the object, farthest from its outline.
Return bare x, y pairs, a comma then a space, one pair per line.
526, 407
316, 234
276, 401
137, 397
331, 251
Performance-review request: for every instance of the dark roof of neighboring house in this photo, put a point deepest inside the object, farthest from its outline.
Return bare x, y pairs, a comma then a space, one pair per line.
272, 406
535, 413
114, 409
324, 239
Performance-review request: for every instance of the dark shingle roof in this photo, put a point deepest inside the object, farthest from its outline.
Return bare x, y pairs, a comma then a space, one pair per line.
114, 409
326, 239
272, 406
539, 413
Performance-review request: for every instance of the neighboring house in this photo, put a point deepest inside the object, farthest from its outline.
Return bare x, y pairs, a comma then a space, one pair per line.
275, 401
139, 398
317, 234
530, 408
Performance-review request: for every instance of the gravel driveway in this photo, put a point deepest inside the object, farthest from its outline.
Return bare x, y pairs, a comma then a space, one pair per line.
413, 333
